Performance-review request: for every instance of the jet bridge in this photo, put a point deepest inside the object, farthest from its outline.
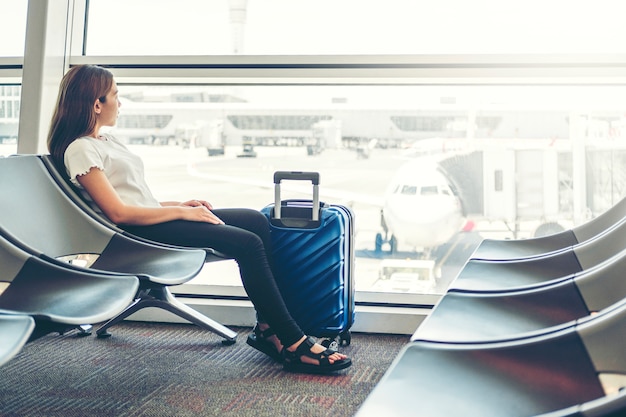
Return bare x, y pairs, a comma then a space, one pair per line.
533, 190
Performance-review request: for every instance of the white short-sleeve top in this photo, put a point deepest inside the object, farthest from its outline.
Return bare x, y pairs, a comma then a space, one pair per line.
123, 168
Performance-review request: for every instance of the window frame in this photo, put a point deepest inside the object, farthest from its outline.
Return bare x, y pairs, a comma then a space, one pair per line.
509, 69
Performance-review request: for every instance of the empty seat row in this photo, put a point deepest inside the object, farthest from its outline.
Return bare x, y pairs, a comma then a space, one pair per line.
508, 314
533, 334
526, 273
498, 249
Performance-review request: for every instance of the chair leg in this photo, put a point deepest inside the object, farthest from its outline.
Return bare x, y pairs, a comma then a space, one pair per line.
45, 327
84, 330
161, 297
135, 306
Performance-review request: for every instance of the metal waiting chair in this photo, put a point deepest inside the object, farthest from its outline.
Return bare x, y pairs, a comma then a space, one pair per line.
58, 297
480, 275
40, 218
505, 249
15, 330
576, 371
461, 317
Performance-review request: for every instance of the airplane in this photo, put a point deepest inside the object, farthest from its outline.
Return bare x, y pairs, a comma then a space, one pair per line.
420, 209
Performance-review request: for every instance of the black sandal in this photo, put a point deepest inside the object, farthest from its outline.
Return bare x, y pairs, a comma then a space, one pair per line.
293, 363
258, 340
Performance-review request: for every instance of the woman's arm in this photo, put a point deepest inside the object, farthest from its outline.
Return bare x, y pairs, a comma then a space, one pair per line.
105, 196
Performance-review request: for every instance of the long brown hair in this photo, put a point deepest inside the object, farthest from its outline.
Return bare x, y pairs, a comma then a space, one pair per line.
74, 116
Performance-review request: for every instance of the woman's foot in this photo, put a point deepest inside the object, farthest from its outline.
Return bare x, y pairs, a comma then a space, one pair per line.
309, 357
264, 340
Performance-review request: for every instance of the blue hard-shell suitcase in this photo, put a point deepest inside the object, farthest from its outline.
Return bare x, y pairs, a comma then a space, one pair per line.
313, 258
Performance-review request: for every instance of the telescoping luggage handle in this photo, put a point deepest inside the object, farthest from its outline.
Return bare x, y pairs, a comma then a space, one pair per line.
314, 177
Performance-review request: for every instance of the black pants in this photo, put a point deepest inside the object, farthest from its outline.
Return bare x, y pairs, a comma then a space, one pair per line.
246, 238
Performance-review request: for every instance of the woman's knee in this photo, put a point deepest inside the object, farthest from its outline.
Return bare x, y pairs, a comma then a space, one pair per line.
253, 221
256, 218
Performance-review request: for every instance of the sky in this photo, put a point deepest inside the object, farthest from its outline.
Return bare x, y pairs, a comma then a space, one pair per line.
363, 26
202, 27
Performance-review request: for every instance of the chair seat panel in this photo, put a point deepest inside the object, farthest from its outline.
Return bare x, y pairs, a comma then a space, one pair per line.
605, 221
66, 296
495, 249
161, 265
603, 247
479, 275
501, 249
542, 375
603, 336
468, 317
604, 284
15, 329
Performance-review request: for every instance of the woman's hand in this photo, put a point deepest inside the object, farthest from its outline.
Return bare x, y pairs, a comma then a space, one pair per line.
200, 213
197, 203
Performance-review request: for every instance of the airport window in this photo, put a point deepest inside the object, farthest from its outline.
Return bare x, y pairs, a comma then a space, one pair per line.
556, 148
9, 118
13, 27
429, 190
13, 35
409, 190
392, 178
330, 27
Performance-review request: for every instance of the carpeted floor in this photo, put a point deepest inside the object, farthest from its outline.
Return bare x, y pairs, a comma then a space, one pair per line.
148, 369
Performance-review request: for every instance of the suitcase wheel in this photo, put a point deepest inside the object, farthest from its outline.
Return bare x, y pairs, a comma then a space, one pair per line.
344, 339
330, 343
